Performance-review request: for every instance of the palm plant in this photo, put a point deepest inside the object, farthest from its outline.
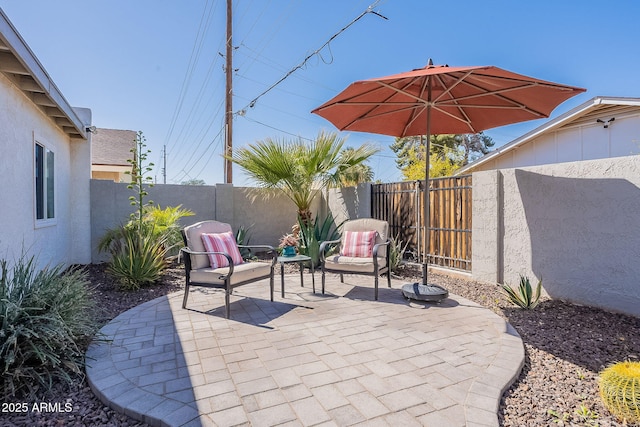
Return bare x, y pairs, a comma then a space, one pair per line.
166, 222
299, 169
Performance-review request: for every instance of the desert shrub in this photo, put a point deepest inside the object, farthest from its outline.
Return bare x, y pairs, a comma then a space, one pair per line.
138, 248
44, 321
243, 237
524, 295
137, 257
396, 252
312, 234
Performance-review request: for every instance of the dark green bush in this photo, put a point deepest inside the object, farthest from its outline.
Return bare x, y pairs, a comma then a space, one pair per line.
44, 321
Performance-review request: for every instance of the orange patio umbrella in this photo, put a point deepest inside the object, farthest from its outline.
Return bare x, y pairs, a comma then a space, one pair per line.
439, 99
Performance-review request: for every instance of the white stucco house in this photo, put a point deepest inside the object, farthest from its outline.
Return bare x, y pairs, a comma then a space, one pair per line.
45, 167
603, 127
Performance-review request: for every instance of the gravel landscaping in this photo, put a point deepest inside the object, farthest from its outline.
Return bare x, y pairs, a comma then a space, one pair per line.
566, 346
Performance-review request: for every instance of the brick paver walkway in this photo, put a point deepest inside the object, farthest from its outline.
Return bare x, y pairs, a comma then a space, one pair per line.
306, 360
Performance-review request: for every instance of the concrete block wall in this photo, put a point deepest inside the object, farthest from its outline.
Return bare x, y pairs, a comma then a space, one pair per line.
575, 225
266, 219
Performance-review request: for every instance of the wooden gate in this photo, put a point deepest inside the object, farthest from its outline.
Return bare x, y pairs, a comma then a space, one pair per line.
402, 205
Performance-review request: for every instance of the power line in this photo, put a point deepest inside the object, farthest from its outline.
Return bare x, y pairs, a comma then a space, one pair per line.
314, 53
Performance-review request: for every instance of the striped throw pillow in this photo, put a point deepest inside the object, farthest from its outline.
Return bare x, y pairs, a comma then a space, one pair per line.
221, 242
358, 244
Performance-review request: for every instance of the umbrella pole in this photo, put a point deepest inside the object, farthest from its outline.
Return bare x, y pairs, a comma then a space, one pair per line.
424, 291
427, 196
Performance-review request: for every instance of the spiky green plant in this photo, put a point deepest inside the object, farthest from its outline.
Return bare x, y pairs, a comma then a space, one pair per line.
620, 390
44, 319
312, 234
396, 252
138, 257
524, 295
243, 237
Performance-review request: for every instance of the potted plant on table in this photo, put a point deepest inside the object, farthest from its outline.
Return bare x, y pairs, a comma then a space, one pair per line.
288, 244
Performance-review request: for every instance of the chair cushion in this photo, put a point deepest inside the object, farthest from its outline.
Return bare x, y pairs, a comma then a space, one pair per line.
358, 244
241, 273
221, 242
352, 264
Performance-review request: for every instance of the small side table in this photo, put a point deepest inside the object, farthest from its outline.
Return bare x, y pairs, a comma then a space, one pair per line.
300, 259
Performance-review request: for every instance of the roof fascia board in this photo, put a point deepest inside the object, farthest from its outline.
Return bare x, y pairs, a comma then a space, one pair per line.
23, 53
552, 124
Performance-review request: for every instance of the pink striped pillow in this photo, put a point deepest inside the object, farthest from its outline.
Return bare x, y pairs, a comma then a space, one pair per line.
221, 242
358, 244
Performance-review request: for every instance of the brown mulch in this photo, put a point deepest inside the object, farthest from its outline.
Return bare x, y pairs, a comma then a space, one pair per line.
565, 346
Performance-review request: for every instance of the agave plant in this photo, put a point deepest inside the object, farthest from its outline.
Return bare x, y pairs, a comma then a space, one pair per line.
396, 252
311, 235
524, 295
138, 257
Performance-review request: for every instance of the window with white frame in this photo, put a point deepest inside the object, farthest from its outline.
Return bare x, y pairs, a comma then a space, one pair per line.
44, 175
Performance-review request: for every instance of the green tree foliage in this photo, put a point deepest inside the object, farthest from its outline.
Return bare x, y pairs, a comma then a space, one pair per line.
299, 169
448, 153
356, 174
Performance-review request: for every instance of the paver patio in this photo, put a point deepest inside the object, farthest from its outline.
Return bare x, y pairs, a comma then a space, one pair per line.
306, 359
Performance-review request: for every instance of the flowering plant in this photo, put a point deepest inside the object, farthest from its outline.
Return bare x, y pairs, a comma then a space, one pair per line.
288, 240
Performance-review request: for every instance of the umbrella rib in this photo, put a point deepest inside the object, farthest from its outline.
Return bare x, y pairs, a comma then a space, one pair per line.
419, 100
415, 113
369, 112
498, 93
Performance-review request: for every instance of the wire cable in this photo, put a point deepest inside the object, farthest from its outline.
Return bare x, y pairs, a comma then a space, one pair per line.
314, 53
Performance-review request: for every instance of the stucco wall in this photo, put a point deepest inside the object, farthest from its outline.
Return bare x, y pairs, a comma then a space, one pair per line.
266, 220
56, 243
350, 202
575, 225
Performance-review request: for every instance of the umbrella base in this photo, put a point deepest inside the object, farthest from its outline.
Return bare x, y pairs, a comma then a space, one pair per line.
424, 292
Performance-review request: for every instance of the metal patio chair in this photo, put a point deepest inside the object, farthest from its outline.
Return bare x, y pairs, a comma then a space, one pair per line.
368, 256
228, 271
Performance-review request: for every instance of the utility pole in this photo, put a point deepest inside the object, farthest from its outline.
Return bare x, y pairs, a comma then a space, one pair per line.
164, 164
228, 144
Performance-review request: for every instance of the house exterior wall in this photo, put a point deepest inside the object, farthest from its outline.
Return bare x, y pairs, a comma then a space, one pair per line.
586, 141
111, 173
21, 123
575, 225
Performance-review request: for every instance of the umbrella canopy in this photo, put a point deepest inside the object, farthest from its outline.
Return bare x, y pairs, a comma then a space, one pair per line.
461, 100
439, 99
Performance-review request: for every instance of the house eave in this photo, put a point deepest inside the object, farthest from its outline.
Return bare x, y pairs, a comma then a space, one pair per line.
20, 66
555, 123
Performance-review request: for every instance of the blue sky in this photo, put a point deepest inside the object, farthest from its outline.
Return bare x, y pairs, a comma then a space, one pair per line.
156, 65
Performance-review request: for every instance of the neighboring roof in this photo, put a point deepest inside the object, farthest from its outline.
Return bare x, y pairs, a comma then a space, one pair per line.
112, 147
20, 65
584, 113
